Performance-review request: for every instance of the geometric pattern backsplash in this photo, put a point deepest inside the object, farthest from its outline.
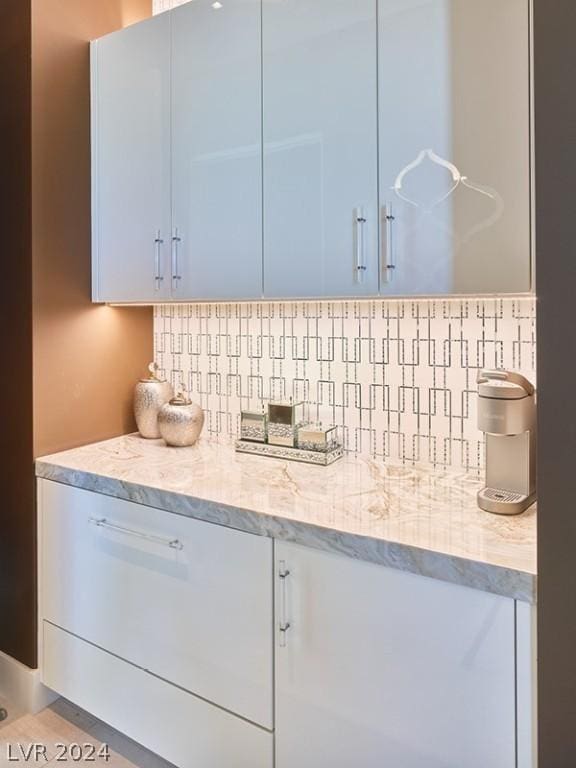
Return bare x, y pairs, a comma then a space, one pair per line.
397, 376
165, 5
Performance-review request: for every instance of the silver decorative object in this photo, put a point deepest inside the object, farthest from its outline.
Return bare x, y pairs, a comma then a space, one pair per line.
180, 421
315, 437
149, 396
253, 426
283, 422
292, 454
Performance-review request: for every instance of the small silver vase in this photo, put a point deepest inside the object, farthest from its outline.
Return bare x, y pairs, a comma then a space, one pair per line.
149, 397
180, 421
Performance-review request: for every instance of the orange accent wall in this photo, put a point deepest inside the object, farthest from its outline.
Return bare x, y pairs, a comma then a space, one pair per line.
86, 357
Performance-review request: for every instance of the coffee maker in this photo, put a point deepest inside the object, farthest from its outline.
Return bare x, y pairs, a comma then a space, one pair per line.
507, 415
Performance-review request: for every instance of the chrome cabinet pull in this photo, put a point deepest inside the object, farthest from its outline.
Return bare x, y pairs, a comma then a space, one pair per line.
104, 523
360, 224
388, 264
283, 623
176, 276
158, 278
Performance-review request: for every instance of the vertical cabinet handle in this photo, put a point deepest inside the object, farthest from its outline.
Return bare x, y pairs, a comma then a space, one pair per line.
158, 276
388, 264
176, 276
283, 623
359, 227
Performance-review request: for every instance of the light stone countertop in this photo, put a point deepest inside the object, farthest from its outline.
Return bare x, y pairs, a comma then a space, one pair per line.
421, 520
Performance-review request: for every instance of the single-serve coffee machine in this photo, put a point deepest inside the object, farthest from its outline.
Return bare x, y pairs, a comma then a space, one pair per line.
507, 415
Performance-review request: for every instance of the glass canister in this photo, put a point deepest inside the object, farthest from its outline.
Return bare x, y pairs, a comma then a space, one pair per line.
318, 437
253, 426
149, 397
180, 421
284, 419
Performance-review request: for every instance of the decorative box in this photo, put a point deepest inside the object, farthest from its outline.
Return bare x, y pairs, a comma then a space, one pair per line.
253, 426
316, 437
284, 419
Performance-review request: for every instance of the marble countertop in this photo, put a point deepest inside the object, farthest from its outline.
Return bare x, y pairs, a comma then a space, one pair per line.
416, 519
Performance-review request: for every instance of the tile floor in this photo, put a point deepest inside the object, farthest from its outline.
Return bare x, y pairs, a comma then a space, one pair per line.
66, 724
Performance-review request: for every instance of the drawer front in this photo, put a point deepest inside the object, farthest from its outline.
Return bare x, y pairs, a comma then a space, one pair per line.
176, 725
187, 600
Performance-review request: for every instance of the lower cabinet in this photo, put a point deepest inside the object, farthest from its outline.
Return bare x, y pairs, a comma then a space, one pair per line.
182, 728
377, 667
189, 601
160, 625
221, 649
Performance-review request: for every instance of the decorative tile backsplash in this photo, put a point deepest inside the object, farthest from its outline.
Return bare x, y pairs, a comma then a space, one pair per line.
398, 377
164, 5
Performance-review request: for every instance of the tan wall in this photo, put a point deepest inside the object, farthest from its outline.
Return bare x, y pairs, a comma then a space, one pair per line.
86, 357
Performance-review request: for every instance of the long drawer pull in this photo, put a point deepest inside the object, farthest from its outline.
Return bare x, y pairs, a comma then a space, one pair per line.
103, 523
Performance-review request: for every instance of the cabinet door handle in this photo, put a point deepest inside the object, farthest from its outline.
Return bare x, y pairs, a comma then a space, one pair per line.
176, 276
388, 265
104, 523
359, 227
159, 277
283, 623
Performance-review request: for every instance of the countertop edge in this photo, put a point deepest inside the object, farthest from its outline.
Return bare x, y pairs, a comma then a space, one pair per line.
487, 577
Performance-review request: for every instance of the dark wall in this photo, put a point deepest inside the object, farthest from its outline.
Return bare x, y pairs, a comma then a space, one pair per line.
17, 516
69, 367
555, 136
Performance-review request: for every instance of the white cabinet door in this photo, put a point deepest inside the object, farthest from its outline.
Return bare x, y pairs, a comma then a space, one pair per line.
320, 148
384, 668
217, 150
131, 162
189, 601
454, 100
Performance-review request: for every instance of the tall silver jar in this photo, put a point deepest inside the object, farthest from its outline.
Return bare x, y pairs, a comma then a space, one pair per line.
149, 397
180, 421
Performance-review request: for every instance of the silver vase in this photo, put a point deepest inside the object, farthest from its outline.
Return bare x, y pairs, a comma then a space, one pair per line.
149, 397
180, 421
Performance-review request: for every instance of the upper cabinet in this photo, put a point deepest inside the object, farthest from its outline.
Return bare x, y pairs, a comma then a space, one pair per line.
320, 148
454, 125
177, 157
216, 150
313, 149
131, 163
